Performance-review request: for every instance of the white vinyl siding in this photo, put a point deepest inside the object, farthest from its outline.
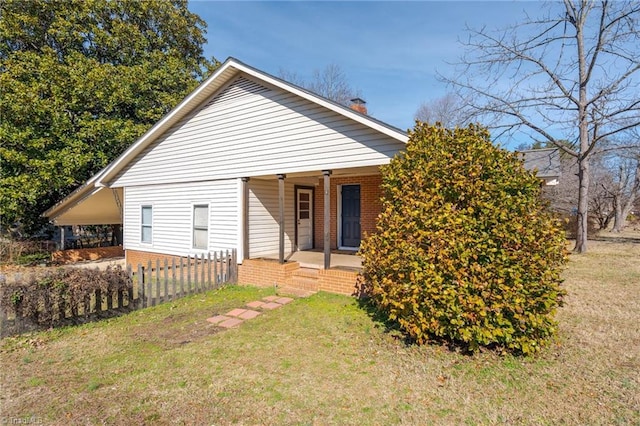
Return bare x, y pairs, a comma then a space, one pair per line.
264, 212
146, 225
173, 212
200, 226
250, 130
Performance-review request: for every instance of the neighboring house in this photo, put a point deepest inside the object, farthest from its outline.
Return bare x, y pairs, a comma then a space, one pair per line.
243, 162
253, 163
545, 161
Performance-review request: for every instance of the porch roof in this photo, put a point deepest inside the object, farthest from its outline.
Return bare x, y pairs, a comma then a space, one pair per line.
88, 205
315, 174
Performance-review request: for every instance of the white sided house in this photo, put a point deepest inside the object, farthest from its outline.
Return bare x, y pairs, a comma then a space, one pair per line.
248, 162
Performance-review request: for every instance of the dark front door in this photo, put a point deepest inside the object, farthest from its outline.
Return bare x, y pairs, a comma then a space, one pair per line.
350, 216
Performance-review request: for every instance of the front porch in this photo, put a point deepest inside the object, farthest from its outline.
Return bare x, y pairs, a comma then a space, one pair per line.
303, 273
314, 259
301, 231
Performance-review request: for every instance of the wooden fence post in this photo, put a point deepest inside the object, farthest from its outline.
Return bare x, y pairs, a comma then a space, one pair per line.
189, 275
228, 262
209, 286
203, 285
87, 304
109, 298
140, 287
234, 265
173, 278
195, 274
166, 280
182, 277
62, 309
120, 298
130, 289
150, 299
215, 270
158, 299
98, 301
18, 320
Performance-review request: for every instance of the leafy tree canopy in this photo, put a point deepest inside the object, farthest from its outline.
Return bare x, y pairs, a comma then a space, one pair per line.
80, 81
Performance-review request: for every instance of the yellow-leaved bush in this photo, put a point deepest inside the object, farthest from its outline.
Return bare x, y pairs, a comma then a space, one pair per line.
465, 250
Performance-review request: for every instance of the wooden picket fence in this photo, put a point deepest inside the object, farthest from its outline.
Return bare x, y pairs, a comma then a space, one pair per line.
150, 285
166, 281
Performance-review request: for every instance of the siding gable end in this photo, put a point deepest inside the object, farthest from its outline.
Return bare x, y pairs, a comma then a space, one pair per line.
249, 129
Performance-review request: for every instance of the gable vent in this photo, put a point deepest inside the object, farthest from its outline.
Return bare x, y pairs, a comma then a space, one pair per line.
239, 89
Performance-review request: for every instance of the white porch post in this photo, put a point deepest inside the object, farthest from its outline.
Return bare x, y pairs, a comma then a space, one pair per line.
245, 218
62, 237
281, 219
327, 218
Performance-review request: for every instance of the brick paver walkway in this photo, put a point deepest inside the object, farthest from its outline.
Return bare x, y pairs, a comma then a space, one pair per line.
237, 316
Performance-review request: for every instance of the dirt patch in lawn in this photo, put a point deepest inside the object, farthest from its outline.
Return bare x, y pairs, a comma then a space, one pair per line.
176, 330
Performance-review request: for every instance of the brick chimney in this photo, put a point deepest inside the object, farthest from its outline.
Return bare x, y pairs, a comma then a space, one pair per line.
359, 105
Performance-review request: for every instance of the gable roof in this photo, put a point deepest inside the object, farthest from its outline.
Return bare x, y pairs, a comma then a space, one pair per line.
222, 76
546, 161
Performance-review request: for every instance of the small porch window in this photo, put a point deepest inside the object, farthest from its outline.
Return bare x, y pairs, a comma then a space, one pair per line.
201, 226
146, 222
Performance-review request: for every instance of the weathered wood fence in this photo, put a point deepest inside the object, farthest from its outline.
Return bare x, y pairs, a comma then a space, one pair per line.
161, 282
148, 285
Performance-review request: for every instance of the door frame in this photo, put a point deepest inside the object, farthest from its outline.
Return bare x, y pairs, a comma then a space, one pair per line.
339, 215
295, 213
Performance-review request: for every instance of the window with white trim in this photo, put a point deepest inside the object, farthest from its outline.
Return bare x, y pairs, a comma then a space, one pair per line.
146, 224
201, 226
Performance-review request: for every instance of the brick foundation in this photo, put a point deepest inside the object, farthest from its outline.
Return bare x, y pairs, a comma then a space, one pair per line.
266, 273
135, 258
338, 281
78, 255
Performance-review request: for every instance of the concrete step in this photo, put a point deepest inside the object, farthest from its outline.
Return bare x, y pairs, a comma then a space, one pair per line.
304, 283
306, 272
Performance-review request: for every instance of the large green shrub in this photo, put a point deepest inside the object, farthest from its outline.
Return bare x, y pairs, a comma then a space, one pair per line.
465, 250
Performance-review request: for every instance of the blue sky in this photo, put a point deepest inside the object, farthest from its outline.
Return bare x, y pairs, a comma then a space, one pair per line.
390, 51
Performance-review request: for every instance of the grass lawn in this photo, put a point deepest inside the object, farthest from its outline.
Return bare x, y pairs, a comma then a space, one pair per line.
323, 360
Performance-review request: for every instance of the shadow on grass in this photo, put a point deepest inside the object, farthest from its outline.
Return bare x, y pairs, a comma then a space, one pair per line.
15, 327
616, 239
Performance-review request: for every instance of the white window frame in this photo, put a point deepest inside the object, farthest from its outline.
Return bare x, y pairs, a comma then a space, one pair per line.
195, 227
143, 225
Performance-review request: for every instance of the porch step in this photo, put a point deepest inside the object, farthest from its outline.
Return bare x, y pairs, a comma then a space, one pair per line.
306, 273
304, 283
303, 279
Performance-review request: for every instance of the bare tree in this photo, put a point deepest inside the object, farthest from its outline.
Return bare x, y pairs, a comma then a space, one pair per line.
569, 75
449, 110
624, 188
601, 205
330, 82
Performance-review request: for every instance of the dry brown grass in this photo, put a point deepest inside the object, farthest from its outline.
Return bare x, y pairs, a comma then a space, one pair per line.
323, 360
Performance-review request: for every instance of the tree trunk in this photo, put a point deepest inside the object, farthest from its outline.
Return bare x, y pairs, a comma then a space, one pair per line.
116, 235
622, 208
620, 220
583, 206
